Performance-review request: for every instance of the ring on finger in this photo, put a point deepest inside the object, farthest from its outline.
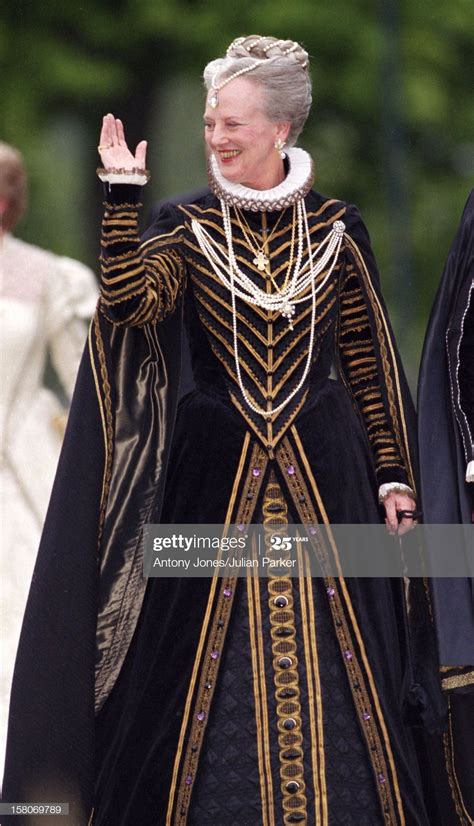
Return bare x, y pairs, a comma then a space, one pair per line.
408, 514
104, 146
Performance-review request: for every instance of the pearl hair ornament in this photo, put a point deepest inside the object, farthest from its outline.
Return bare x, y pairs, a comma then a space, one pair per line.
239, 41
275, 44
214, 100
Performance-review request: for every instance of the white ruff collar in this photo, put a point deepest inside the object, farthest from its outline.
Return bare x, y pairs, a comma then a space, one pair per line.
296, 185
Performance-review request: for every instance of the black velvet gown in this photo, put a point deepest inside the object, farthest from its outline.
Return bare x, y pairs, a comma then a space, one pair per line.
263, 702
219, 700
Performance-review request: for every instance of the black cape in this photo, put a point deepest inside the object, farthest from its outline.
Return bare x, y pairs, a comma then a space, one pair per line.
51, 720
444, 446
112, 468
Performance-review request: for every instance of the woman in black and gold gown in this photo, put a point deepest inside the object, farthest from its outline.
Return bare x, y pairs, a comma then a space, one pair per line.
240, 701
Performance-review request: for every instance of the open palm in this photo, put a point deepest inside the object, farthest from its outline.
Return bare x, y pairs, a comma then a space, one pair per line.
113, 149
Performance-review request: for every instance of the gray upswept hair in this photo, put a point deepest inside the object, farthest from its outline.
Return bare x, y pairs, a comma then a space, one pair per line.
282, 73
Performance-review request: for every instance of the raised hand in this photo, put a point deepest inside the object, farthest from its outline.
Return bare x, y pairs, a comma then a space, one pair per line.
113, 150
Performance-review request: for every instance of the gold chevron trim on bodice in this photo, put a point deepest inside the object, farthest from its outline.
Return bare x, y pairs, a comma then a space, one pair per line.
142, 283
272, 354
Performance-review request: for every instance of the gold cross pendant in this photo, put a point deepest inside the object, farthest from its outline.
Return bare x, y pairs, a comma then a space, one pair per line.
261, 261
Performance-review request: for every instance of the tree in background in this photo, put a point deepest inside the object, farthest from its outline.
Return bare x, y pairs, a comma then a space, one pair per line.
391, 127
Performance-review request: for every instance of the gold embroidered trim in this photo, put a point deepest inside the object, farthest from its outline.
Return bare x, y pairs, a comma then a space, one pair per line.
230, 350
228, 326
288, 419
393, 814
105, 403
191, 209
285, 332
382, 322
253, 483
111, 239
119, 262
125, 207
163, 240
155, 282
200, 286
260, 695
244, 413
457, 681
285, 663
238, 476
318, 756
204, 695
102, 417
199, 651
465, 818
351, 372
289, 371
356, 631
123, 224
211, 660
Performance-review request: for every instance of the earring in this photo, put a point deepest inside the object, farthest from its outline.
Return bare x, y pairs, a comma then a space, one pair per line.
279, 144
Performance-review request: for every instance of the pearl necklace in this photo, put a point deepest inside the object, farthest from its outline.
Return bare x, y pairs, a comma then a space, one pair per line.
241, 286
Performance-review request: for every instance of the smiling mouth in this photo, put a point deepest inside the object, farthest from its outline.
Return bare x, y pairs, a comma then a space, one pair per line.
229, 154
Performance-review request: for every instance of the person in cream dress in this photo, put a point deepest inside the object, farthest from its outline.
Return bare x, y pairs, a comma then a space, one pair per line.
45, 303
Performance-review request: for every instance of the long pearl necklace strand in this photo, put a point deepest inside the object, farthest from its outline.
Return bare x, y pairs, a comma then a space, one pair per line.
241, 286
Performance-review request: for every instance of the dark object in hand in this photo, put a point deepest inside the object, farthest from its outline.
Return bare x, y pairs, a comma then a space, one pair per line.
415, 515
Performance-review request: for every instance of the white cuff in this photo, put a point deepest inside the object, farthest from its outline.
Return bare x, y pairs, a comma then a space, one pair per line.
393, 487
470, 471
123, 178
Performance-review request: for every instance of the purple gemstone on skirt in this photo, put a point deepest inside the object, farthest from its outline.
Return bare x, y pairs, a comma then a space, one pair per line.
366, 716
241, 528
188, 780
290, 469
331, 592
214, 655
256, 471
348, 655
201, 716
313, 531
227, 592
381, 778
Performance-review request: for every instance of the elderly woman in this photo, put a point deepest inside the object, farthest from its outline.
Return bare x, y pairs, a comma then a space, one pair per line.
274, 701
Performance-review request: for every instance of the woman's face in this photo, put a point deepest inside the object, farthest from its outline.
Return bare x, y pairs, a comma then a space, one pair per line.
241, 137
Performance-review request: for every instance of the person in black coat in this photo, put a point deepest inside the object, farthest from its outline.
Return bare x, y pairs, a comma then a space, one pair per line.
446, 452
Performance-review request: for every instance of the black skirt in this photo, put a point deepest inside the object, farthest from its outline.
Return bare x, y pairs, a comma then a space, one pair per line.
349, 759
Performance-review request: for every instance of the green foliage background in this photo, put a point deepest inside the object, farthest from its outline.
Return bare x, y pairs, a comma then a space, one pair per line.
391, 128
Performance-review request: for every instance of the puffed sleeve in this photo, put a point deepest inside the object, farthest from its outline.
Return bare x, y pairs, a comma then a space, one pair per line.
141, 281
71, 299
368, 362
